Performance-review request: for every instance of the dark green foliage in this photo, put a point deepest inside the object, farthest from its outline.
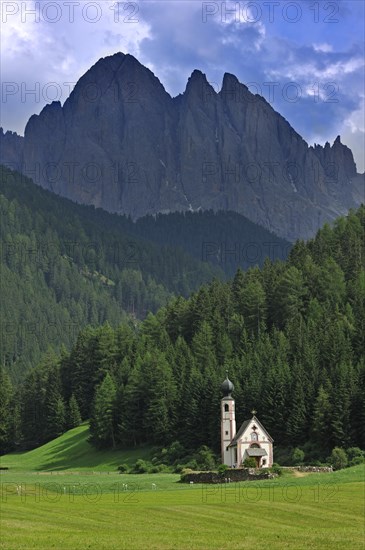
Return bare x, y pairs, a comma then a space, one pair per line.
141, 466
225, 239
73, 413
250, 462
6, 397
102, 429
338, 458
276, 469
297, 456
64, 266
222, 468
293, 350
205, 458
355, 456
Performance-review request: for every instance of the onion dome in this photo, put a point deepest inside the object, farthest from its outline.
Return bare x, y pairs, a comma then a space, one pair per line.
227, 387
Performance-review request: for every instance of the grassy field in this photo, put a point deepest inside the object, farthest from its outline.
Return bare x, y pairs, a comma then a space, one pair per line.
86, 510
71, 451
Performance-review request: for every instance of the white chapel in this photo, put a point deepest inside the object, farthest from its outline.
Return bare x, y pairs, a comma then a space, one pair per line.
251, 440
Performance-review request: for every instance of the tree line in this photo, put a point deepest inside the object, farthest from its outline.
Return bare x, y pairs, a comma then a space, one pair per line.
291, 335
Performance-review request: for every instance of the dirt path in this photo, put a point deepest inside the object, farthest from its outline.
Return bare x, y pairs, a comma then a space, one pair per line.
299, 474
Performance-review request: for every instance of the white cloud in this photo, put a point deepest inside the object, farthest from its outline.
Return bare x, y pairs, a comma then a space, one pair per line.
172, 40
323, 47
34, 50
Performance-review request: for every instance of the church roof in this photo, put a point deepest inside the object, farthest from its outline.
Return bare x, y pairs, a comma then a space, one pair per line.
243, 428
256, 452
240, 432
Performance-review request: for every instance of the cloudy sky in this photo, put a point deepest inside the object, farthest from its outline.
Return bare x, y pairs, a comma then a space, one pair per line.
306, 57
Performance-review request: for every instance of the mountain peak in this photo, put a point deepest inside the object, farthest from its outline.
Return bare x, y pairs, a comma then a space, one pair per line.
198, 85
229, 80
337, 141
179, 155
196, 77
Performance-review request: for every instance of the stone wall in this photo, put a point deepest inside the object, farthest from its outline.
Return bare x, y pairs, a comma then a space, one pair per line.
321, 469
230, 476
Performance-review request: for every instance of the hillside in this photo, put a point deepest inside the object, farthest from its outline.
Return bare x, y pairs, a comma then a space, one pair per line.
291, 335
66, 265
135, 150
71, 451
226, 239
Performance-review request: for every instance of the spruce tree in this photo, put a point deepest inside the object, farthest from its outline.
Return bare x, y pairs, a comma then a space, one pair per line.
102, 428
6, 395
73, 417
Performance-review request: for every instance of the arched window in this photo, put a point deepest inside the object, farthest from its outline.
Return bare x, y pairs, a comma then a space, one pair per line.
226, 408
254, 436
255, 446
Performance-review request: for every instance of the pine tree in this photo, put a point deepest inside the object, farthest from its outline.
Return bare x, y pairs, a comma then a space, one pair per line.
73, 417
321, 419
55, 410
56, 420
296, 426
102, 428
289, 296
6, 395
254, 306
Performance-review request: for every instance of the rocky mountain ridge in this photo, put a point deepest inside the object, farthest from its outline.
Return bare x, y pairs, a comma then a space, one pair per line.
121, 142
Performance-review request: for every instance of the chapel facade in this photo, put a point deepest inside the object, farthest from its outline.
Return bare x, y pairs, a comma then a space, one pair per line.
251, 440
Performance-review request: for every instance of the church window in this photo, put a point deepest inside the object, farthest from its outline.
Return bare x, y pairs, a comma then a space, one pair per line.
226, 408
254, 436
226, 432
255, 446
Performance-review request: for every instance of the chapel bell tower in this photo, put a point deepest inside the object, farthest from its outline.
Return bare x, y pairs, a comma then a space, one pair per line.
228, 421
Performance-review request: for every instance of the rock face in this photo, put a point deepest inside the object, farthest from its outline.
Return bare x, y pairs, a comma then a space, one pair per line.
121, 142
11, 149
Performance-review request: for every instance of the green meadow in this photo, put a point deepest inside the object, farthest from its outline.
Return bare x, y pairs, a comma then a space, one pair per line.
65, 495
71, 451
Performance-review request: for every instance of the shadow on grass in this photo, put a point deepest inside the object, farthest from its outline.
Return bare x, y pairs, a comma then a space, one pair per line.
76, 452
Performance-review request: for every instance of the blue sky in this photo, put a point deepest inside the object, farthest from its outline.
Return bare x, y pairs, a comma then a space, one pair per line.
305, 56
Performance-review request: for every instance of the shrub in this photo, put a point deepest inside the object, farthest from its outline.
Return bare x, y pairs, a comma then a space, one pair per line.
357, 460
175, 452
123, 468
192, 465
250, 462
276, 469
159, 468
355, 456
141, 467
222, 468
338, 458
205, 458
297, 456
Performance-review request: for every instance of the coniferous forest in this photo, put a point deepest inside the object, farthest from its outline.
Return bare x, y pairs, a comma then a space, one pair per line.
64, 265
290, 334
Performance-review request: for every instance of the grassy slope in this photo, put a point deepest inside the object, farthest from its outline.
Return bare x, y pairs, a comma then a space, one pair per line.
66, 510
71, 451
